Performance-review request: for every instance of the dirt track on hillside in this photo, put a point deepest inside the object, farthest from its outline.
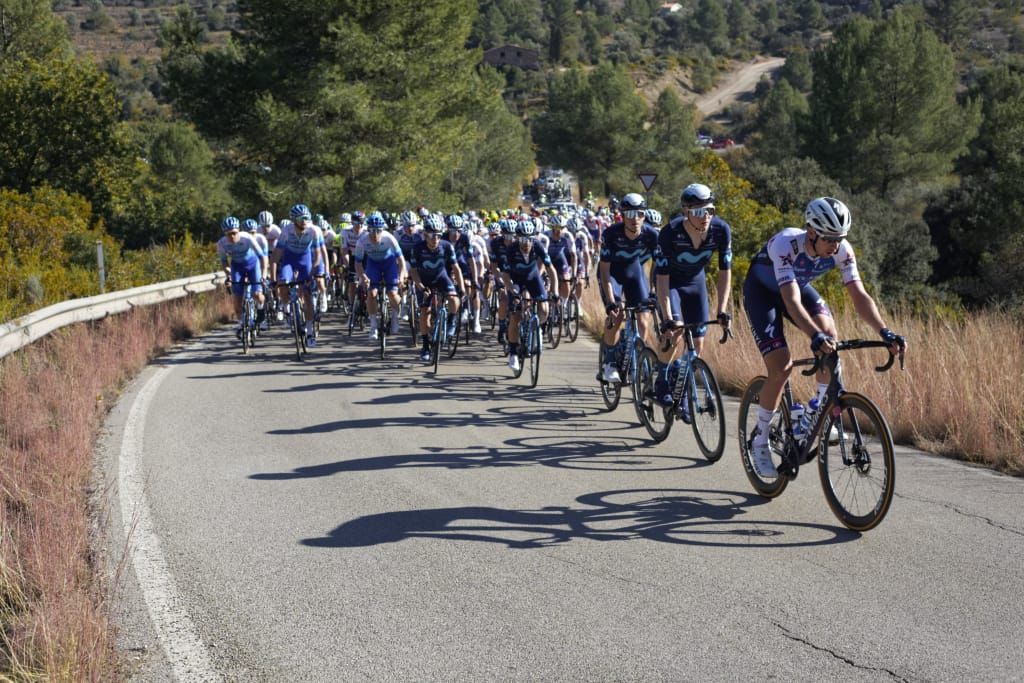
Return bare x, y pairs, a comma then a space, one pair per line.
736, 83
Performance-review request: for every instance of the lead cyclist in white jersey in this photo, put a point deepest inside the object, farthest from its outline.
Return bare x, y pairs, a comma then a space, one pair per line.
778, 286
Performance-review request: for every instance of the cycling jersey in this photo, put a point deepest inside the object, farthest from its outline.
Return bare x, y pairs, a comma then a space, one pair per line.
296, 249
782, 260
524, 268
626, 258
407, 239
380, 261
434, 266
562, 251
271, 233
246, 256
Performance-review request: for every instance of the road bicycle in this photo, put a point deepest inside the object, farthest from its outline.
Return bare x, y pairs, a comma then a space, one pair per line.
248, 329
440, 339
492, 304
696, 398
298, 319
531, 343
623, 356
384, 314
553, 327
357, 317
571, 314
850, 438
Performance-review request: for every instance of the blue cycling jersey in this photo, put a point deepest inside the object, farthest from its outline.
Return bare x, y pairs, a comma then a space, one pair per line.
684, 261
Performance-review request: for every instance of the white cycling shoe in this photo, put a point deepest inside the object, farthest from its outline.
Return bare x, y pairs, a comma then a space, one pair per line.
761, 458
611, 374
513, 362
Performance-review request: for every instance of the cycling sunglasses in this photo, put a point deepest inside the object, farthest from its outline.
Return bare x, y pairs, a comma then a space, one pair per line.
634, 213
831, 240
701, 211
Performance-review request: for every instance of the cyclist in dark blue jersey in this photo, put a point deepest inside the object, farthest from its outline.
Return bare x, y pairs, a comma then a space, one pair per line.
434, 268
523, 261
625, 248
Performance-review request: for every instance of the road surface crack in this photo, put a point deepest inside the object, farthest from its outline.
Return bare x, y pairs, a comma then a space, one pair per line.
959, 511
789, 634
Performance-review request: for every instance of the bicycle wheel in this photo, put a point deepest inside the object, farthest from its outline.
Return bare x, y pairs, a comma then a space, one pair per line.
705, 403
245, 328
535, 345
572, 318
515, 349
414, 315
653, 416
769, 488
858, 472
492, 305
611, 392
437, 335
453, 340
353, 316
298, 330
383, 326
554, 323
468, 325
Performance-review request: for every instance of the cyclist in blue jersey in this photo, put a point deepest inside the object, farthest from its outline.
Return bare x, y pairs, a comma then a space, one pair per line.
687, 244
296, 255
778, 286
562, 251
523, 261
408, 234
625, 248
248, 262
379, 258
434, 268
498, 251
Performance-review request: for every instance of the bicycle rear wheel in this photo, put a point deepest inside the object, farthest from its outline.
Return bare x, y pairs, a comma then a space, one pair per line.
440, 324
611, 392
858, 471
492, 305
554, 323
453, 340
705, 403
383, 327
414, 314
535, 345
354, 315
653, 416
298, 330
769, 488
572, 318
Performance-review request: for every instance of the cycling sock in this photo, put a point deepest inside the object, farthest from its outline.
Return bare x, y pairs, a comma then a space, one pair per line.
260, 315
426, 340
764, 419
822, 390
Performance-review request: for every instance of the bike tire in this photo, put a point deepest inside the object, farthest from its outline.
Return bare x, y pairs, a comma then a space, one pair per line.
706, 412
769, 488
492, 307
572, 318
453, 340
861, 492
535, 348
611, 392
298, 331
383, 325
440, 322
652, 415
353, 317
414, 315
555, 324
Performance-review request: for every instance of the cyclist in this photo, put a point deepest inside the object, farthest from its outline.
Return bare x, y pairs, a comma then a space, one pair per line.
296, 256
251, 227
432, 266
523, 261
349, 238
458, 235
584, 254
625, 248
379, 258
268, 229
409, 234
246, 257
562, 250
498, 252
778, 286
480, 264
687, 245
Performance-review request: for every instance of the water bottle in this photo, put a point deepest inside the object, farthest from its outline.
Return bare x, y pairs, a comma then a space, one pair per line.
796, 416
809, 416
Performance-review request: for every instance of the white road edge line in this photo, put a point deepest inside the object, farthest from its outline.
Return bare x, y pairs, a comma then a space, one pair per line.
185, 650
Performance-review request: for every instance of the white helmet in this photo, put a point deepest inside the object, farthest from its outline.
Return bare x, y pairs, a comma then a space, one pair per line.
828, 217
265, 219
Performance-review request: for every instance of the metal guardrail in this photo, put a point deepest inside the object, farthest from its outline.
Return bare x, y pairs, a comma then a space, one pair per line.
22, 331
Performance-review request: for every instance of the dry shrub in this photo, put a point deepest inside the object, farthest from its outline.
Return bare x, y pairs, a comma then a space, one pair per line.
52, 401
959, 395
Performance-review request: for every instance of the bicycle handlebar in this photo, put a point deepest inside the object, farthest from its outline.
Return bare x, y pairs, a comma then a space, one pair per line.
848, 345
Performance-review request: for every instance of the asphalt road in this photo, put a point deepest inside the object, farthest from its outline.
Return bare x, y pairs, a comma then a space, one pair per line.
346, 518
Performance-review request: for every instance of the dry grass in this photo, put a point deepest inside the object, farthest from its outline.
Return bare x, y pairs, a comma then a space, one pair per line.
53, 396
959, 396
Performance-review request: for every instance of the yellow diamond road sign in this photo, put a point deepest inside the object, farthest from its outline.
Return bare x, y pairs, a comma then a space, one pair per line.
647, 180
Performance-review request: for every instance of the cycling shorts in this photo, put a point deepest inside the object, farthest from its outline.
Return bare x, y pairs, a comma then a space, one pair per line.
534, 285
290, 269
689, 303
242, 274
385, 270
634, 290
765, 311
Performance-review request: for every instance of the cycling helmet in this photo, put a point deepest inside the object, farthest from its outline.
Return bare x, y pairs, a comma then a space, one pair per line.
633, 202
375, 221
695, 194
410, 219
358, 217
265, 218
300, 211
454, 221
507, 226
654, 217
525, 229
228, 224
424, 212
432, 225
250, 225
828, 217
345, 218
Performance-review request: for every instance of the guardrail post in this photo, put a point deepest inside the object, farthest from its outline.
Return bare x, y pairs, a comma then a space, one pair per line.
99, 264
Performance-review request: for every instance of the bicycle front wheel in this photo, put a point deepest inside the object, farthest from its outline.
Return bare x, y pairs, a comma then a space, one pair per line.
298, 330
653, 416
771, 487
384, 326
453, 340
440, 322
534, 348
856, 462
414, 315
705, 403
611, 392
572, 318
